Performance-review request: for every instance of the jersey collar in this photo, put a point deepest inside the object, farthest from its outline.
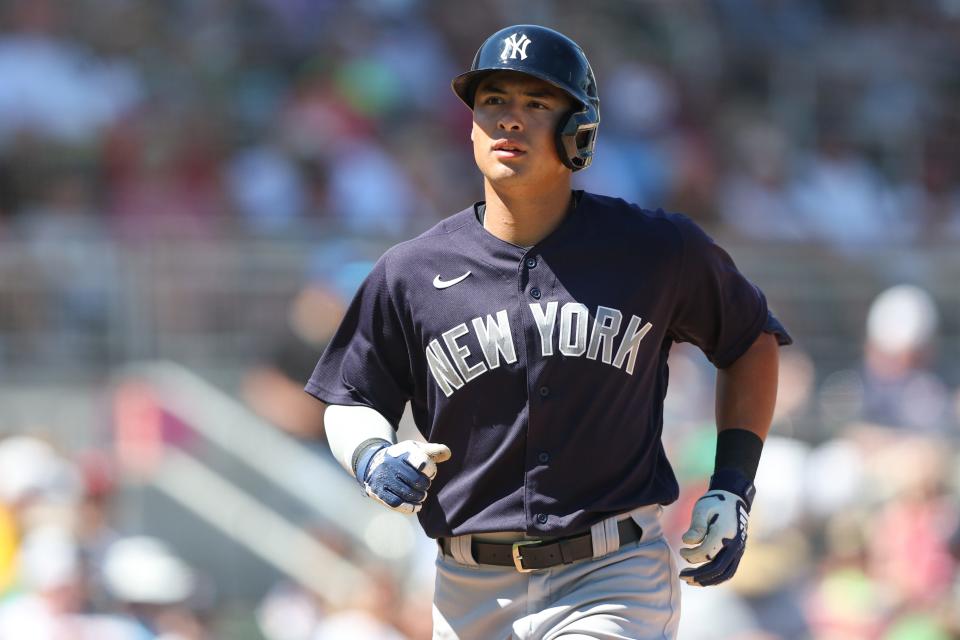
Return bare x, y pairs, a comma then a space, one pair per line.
571, 225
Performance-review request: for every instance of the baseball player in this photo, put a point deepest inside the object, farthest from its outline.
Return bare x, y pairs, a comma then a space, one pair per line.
530, 335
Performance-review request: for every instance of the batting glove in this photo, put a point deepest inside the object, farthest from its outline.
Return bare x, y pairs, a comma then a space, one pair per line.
718, 529
398, 475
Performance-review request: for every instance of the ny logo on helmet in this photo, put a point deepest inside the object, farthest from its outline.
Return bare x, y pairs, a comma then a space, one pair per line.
512, 46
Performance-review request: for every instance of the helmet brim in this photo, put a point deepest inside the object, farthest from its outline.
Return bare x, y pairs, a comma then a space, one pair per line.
465, 84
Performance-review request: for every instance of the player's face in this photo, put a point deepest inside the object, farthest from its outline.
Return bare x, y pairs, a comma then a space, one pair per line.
515, 119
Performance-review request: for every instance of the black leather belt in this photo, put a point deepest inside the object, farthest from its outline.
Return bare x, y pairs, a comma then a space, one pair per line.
529, 555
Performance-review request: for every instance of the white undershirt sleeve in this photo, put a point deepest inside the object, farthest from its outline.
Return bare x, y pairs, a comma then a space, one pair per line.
349, 426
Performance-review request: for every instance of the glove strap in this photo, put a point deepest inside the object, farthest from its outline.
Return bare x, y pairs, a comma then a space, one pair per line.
735, 482
363, 454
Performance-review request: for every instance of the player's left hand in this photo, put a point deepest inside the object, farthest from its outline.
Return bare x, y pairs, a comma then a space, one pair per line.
718, 529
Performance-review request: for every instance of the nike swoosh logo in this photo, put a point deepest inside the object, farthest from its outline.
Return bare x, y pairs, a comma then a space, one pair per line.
443, 284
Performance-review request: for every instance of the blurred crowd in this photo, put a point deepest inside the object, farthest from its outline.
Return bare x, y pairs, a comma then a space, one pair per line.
855, 532
72, 568
832, 122
66, 572
833, 126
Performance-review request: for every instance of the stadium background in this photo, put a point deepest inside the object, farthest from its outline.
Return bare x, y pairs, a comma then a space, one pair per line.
190, 191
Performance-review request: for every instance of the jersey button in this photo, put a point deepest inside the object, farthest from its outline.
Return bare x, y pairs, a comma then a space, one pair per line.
544, 391
531, 262
535, 292
544, 457
542, 518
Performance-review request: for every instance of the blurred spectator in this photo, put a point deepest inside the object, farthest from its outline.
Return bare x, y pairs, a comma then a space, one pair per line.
355, 624
754, 199
95, 522
839, 198
164, 175
901, 386
50, 606
715, 613
274, 388
373, 616
64, 236
386, 209
886, 567
288, 612
268, 189
52, 87
153, 585
912, 556
937, 196
39, 485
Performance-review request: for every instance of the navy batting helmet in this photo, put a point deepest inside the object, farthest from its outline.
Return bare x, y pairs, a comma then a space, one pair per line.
553, 57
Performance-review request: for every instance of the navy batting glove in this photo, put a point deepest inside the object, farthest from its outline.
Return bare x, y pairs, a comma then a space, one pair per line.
719, 529
398, 475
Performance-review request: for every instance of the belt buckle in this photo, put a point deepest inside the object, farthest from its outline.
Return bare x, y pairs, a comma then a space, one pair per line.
517, 558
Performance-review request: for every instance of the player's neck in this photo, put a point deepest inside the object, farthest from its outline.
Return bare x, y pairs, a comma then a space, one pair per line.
524, 219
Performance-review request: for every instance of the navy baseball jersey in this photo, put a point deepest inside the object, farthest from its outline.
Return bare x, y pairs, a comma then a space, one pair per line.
544, 369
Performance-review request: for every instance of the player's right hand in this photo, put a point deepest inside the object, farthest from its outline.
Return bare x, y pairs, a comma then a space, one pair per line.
399, 475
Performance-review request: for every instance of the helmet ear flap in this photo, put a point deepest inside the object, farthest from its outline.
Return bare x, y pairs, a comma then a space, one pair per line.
562, 138
576, 138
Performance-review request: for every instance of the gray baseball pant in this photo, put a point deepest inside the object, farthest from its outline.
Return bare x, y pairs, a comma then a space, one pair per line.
631, 592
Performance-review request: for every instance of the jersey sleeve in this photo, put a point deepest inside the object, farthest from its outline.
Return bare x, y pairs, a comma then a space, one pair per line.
718, 309
367, 362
